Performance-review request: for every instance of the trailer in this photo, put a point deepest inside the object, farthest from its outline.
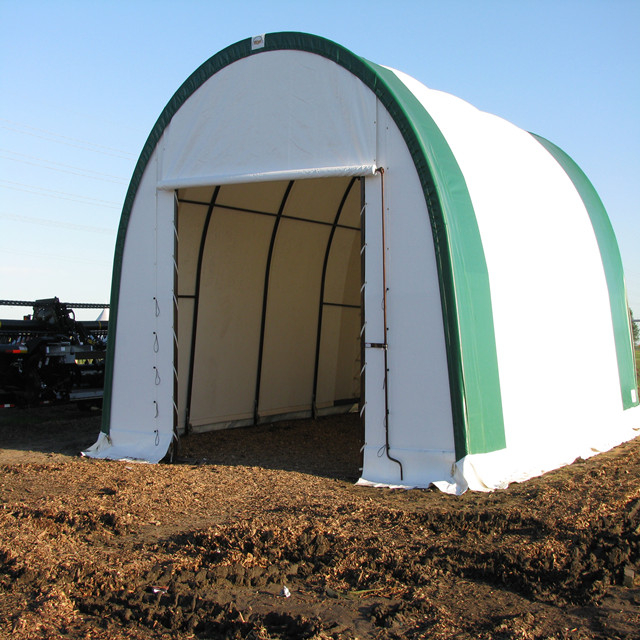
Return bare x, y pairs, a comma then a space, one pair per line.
49, 356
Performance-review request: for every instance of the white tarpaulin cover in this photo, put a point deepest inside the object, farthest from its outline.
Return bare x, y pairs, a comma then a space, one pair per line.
307, 233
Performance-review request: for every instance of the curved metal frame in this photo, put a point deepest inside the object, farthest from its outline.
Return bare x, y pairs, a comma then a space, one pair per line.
194, 326
321, 301
265, 297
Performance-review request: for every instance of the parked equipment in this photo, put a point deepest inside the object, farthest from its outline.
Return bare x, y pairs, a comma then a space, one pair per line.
49, 356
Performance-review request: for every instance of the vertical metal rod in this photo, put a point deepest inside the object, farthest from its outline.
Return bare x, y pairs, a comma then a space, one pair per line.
196, 302
336, 219
384, 315
265, 297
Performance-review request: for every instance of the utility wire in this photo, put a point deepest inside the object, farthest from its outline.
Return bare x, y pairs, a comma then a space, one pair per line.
62, 195
45, 222
66, 140
58, 166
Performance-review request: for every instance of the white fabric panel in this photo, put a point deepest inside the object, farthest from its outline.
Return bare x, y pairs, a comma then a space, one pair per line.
230, 309
129, 445
496, 470
374, 466
316, 199
277, 111
200, 194
265, 197
164, 340
554, 335
292, 317
339, 364
191, 219
420, 423
418, 378
420, 469
144, 339
373, 300
352, 214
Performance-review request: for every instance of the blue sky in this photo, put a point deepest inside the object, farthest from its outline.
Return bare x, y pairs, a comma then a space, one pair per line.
82, 84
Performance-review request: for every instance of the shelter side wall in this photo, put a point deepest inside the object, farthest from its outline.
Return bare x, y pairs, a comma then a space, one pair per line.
420, 416
549, 295
142, 397
464, 279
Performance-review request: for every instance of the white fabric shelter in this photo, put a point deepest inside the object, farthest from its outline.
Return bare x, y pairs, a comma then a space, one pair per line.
307, 232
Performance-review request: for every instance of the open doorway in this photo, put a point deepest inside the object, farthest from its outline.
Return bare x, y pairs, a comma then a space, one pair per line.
269, 302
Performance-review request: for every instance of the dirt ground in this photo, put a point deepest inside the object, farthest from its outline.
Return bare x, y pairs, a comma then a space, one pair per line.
205, 548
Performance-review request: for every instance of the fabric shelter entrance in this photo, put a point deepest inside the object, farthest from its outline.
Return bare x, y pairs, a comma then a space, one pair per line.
259, 338
308, 232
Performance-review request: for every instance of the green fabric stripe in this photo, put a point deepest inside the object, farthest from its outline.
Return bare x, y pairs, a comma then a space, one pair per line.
464, 282
612, 263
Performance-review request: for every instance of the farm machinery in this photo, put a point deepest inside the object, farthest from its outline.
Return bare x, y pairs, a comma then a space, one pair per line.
49, 356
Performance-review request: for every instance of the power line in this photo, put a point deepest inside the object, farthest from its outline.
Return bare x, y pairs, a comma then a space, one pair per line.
62, 195
64, 168
57, 223
66, 140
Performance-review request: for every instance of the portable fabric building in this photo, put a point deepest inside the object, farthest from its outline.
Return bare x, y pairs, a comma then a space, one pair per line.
307, 232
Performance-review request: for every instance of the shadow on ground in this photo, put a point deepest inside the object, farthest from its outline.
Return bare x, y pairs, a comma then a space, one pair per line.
326, 447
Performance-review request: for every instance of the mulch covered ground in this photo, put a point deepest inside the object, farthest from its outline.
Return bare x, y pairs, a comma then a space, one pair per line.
205, 548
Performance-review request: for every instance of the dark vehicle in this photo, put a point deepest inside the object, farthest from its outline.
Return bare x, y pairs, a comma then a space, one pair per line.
49, 356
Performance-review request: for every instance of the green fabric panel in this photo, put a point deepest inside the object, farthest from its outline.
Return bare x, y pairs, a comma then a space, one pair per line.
612, 264
464, 282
